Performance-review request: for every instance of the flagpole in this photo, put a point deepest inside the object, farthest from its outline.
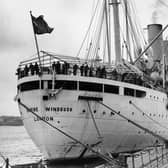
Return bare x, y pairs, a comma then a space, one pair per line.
36, 42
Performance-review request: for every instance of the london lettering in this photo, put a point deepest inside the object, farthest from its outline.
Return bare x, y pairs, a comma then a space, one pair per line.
45, 118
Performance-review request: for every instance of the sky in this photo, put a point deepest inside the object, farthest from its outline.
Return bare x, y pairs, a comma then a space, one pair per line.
70, 19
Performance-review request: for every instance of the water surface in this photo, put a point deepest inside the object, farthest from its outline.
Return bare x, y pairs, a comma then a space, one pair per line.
16, 144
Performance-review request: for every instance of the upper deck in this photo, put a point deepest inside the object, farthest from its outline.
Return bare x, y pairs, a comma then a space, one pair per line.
66, 65
88, 76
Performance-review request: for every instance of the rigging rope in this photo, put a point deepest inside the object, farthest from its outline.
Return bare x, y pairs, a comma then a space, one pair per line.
91, 21
96, 35
109, 160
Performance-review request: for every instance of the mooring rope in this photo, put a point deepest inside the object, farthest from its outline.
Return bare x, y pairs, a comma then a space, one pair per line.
5, 160
109, 160
95, 124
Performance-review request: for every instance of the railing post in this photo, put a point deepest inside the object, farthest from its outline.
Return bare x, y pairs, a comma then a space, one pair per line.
156, 157
133, 161
149, 158
142, 159
162, 156
7, 163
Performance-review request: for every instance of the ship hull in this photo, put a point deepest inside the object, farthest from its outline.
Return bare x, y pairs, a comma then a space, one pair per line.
90, 122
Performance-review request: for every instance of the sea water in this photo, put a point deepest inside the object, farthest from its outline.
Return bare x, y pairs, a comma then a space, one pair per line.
16, 145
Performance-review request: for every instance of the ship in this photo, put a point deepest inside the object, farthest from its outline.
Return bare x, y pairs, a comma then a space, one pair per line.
93, 106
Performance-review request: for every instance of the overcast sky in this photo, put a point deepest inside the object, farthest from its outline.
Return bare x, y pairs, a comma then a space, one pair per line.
70, 19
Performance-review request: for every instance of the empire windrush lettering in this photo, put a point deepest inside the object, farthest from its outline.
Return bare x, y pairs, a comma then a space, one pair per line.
53, 109
59, 109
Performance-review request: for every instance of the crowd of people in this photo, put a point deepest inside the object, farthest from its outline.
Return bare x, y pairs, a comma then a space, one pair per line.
31, 69
79, 70
62, 68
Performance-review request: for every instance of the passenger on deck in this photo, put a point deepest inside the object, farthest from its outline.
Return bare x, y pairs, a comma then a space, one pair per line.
91, 71
98, 70
58, 67
66, 65
36, 68
31, 68
75, 68
26, 70
114, 74
103, 72
18, 72
82, 69
54, 66
63, 68
86, 68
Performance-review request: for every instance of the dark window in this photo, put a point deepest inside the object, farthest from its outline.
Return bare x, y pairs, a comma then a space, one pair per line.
94, 87
29, 86
129, 92
140, 93
69, 85
111, 89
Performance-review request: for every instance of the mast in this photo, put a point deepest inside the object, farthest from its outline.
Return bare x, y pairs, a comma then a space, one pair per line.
117, 31
163, 67
107, 31
127, 31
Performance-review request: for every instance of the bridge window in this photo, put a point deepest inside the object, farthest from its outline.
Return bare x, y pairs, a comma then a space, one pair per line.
94, 87
129, 92
29, 86
140, 93
111, 89
135, 93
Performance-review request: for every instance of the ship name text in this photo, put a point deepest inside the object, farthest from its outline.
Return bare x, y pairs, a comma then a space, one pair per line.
52, 109
44, 118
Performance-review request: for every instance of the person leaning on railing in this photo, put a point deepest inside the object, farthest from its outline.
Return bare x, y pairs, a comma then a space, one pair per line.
18, 72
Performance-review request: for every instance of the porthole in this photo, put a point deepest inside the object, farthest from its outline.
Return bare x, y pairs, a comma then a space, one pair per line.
83, 111
112, 113
94, 111
104, 112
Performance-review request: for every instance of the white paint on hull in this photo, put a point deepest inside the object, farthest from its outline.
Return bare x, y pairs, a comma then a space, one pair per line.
118, 134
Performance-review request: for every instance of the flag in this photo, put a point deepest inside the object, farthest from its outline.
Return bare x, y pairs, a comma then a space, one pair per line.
40, 26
